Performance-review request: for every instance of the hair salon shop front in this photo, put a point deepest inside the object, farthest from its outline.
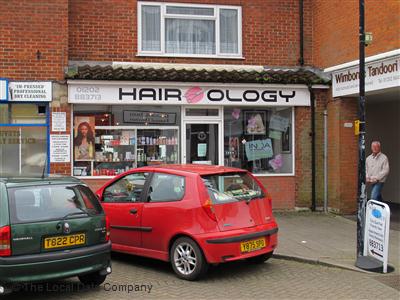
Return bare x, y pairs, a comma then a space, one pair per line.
129, 124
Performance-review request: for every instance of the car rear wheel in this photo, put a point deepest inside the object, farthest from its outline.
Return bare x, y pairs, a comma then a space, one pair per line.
187, 259
92, 278
260, 258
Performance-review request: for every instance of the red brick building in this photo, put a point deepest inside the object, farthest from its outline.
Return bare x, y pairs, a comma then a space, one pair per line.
220, 82
335, 49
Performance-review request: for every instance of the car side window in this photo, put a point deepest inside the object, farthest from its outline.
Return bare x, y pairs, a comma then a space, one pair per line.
126, 189
166, 187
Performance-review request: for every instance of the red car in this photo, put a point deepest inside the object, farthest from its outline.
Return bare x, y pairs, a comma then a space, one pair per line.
190, 215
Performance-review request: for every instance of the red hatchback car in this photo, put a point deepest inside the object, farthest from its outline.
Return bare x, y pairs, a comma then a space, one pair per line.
190, 215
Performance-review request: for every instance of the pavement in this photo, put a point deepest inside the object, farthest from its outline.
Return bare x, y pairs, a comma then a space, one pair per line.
326, 239
320, 240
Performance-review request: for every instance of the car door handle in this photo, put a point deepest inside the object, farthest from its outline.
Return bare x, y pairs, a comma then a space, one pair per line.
133, 211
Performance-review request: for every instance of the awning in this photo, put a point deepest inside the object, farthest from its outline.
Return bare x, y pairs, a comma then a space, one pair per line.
194, 73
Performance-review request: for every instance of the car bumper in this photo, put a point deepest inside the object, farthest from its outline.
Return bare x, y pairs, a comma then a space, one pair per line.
225, 246
56, 265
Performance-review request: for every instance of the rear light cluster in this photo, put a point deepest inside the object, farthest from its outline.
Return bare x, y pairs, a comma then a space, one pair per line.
107, 229
205, 200
207, 206
5, 241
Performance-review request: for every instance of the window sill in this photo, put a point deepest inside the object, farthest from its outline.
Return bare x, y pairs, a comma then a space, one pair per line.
273, 175
238, 57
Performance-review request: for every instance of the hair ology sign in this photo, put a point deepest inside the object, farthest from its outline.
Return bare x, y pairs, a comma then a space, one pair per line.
182, 93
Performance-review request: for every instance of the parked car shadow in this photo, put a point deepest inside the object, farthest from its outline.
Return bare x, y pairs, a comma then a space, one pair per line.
215, 272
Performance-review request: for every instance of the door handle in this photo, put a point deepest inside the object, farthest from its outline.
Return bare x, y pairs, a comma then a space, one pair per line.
133, 211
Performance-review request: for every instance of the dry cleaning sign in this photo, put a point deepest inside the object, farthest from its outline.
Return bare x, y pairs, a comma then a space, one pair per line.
26, 91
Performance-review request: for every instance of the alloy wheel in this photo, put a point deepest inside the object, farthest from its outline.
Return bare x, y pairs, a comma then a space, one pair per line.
185, 258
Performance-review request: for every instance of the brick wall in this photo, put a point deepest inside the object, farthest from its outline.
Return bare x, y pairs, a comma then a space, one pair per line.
342, 155
335, 29
281, 190
303, 141
27, 27
106, 31
60, 104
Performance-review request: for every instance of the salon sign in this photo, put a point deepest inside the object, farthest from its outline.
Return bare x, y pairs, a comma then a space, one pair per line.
181, 93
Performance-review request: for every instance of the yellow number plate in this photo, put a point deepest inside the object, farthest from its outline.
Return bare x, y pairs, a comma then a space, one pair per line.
253, 245
64, 241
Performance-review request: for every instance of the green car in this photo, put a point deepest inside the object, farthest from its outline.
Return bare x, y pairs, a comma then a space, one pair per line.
51, 228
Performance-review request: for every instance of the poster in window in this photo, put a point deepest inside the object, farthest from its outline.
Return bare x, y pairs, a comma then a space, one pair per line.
234, 149
285, 140
255, 122
84, 132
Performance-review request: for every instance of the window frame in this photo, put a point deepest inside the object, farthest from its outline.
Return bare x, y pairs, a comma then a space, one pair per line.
164, 15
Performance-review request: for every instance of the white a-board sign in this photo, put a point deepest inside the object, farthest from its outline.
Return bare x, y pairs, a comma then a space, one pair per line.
376, 235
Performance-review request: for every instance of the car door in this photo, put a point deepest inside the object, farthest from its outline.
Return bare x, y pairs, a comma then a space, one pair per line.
122, 201
162, 210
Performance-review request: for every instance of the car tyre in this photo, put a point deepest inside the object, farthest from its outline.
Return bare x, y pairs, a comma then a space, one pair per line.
93, 279
187, 259
259, 259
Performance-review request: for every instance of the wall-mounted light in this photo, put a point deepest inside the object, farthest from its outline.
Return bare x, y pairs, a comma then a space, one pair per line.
38, 55
368, 38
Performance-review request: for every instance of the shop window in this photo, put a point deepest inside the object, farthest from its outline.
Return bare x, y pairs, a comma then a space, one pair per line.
124, 137
23, 150
189, 30
259, 140
28, 114
4, 114
23, 113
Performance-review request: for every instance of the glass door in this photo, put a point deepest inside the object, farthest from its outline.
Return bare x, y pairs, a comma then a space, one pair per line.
202, 143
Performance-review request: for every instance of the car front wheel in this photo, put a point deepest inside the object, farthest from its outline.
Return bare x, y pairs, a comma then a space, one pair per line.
187, 259
94, 279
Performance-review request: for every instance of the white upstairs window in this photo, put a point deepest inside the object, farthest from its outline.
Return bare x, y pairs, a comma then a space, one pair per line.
189, 30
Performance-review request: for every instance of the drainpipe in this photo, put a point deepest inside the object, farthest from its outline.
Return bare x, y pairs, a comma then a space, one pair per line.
301, 59
325, 161
312, 134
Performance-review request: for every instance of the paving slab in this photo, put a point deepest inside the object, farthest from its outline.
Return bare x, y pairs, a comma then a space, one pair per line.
325, 239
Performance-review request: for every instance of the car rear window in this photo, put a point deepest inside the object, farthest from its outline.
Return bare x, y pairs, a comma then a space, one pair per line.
230, 187
50, 202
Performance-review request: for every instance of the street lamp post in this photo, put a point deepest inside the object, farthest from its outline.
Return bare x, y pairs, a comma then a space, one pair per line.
362, 195
363, 262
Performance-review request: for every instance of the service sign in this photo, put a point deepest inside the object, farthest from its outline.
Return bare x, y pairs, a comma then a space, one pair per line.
26, 91
60, 147
378, 75
377, 223
194, 94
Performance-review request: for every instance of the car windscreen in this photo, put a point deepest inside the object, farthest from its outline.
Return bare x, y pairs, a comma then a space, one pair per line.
230, 187
51, 202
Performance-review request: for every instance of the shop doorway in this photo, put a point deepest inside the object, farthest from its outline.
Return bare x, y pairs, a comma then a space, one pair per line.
202, 144
382, 124
202, 136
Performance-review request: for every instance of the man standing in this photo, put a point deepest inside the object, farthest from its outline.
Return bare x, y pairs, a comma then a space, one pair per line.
377, 170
